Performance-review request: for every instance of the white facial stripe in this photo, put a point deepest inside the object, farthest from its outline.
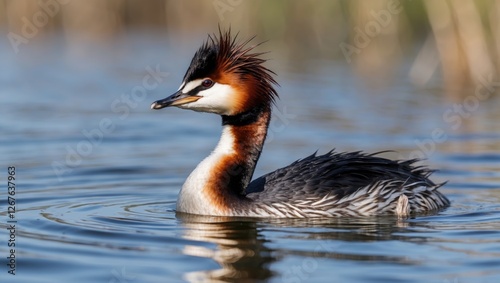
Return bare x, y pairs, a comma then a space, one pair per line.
221, 91
182, 85
217, 99
191, 85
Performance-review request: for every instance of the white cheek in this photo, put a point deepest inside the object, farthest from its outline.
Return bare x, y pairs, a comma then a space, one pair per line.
217, 99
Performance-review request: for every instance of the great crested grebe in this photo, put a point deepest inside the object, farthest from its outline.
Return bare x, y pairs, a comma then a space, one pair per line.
226, 79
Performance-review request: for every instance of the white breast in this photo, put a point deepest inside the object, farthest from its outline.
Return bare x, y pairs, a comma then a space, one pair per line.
191, 197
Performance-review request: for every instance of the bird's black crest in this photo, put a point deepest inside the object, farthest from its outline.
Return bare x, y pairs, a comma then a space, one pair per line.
223, 53
203, 63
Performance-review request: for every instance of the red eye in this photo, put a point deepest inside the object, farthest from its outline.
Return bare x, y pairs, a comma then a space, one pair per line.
207, 83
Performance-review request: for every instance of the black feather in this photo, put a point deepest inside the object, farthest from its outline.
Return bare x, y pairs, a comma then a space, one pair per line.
341, 174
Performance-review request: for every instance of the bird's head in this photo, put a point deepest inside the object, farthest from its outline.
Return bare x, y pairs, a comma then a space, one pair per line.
224, 78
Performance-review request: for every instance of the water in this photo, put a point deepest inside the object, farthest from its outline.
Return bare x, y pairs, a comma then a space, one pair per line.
97, 178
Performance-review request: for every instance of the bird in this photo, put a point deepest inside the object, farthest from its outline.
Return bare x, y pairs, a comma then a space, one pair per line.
228, 78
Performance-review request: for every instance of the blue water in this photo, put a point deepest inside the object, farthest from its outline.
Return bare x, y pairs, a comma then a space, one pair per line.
97, 175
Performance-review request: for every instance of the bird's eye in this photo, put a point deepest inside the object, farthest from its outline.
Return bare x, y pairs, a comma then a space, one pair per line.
207, 83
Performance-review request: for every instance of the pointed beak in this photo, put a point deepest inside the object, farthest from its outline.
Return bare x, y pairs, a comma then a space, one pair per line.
175, 99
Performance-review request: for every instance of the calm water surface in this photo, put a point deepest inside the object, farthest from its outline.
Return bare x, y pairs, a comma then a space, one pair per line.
97, 175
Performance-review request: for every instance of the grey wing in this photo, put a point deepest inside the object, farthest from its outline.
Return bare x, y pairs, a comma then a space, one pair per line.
340, 174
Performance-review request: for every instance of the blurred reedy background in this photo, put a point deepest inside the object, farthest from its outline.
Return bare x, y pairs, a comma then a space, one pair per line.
457, 42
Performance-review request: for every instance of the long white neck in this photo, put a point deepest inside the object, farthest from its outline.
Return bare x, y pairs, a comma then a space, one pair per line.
218, 183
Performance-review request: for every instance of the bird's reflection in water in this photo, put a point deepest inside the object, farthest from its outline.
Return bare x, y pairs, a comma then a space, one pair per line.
240, 251
243, 256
